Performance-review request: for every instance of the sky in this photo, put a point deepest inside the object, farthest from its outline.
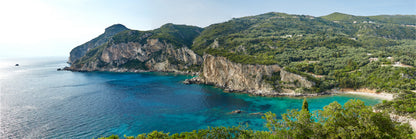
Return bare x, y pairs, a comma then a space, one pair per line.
39, 28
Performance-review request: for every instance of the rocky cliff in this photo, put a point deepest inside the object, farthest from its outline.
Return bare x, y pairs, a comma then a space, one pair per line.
81, 50
154, 55
253, 79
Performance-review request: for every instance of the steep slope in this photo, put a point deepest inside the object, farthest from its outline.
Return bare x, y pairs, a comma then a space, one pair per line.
264, 80
81, 50
163, 49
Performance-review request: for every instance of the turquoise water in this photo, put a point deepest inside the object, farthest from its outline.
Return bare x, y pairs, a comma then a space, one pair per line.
39, 102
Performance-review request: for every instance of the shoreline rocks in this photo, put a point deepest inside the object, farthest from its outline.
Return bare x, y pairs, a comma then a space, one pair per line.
236, 112
199, 80
272, 93
132, 71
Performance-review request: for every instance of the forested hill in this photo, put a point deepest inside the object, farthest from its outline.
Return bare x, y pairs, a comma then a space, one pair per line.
337, 48
266, 35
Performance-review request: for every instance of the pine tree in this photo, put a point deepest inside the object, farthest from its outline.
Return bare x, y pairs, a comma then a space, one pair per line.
305, 105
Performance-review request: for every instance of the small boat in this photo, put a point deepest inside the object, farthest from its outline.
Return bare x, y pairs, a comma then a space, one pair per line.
16, 65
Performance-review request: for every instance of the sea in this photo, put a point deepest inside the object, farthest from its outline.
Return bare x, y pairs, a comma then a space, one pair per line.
37, 101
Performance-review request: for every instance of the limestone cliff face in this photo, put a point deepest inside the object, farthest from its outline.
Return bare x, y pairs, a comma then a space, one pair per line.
135, 57
237, 77
81, 50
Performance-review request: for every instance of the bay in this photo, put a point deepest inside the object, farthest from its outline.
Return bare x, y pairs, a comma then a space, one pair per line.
37, 101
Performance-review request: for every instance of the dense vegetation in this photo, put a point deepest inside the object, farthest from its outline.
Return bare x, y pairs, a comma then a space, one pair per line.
377, 76
272, 34
353, 120
178, 35
336, 50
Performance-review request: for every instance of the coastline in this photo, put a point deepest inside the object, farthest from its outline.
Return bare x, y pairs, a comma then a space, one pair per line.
362, 91
132, 71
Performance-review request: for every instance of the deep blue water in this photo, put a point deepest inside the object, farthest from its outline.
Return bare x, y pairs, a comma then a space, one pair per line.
39, 102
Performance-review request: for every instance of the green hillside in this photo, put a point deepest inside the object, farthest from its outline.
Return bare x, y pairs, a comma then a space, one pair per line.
336, 47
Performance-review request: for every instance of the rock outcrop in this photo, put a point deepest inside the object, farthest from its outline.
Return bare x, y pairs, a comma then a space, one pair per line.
236, 77
81, 50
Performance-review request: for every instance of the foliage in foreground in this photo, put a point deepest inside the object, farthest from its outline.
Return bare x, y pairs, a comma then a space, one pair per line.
353, 120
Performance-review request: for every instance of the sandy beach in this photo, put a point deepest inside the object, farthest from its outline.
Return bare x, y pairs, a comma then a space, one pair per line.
365, 92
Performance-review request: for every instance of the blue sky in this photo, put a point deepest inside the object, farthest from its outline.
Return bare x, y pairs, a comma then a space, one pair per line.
53, 27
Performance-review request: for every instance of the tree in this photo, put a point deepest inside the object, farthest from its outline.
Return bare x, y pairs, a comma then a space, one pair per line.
305, 105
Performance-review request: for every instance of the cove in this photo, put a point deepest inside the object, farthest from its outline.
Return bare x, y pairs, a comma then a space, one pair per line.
39, 102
